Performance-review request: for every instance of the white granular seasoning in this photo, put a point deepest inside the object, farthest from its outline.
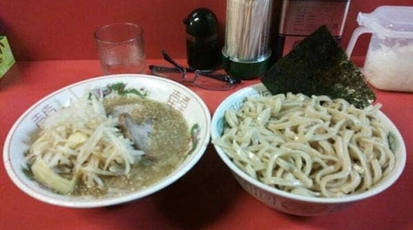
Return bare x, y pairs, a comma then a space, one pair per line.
390, 68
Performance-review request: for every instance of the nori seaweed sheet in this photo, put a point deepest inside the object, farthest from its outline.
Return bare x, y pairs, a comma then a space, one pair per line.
318, 66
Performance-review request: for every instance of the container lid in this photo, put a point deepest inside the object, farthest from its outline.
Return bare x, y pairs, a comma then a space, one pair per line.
201, 22
391, 21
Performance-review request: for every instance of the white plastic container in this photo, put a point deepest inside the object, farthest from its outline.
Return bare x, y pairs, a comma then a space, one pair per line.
389, 60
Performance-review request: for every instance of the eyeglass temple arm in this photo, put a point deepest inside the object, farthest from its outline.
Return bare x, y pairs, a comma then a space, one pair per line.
207, 73
173, 62
188, 69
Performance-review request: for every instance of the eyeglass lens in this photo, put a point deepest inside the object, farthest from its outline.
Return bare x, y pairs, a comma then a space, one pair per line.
211, 83
201, 81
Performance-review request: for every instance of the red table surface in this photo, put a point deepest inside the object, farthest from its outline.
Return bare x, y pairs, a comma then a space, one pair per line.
207, 197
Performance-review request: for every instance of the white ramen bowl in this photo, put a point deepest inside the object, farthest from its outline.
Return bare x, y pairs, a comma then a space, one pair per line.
17, 142
285, 201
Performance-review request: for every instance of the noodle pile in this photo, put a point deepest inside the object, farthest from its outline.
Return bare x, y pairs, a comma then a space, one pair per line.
81, 142
313, 146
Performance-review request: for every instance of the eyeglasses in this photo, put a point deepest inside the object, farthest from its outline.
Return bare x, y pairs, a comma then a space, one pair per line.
205, 79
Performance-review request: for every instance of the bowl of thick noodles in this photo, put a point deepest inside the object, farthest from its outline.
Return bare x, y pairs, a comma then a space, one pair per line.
306, 155
107, 140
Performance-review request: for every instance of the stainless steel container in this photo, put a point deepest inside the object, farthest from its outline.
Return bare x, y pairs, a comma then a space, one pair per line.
299, 18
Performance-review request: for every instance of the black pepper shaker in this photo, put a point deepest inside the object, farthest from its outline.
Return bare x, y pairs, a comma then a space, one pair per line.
202, 47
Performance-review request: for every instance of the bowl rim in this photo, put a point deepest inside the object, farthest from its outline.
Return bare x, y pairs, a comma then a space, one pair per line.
50, 198
258, 88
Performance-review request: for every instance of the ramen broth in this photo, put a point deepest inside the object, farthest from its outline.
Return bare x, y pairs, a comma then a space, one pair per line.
169, 139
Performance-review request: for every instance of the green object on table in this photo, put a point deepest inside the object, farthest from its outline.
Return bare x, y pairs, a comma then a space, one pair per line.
6, 56
246, 70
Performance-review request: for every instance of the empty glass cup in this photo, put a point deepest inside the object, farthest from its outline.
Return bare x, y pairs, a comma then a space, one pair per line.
121, 48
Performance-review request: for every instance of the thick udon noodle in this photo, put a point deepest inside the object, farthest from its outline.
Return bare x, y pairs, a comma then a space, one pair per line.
310, 146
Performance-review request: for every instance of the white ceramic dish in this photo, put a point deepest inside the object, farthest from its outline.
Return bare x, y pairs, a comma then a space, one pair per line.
284, 201
17, 142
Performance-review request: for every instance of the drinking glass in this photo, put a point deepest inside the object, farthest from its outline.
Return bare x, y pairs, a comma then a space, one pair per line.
121, 48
